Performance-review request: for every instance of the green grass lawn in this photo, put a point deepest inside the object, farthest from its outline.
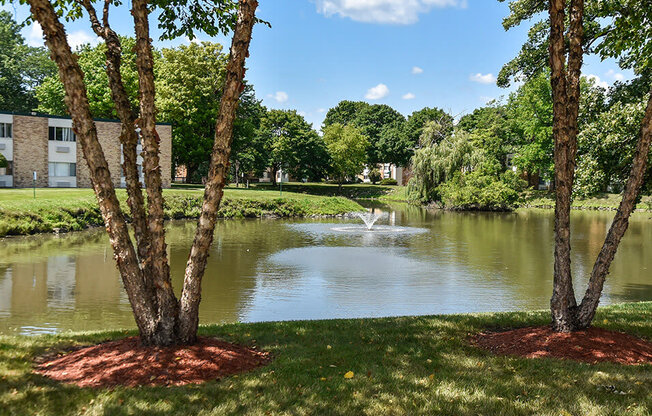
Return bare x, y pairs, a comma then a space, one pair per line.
76, 209
402, 366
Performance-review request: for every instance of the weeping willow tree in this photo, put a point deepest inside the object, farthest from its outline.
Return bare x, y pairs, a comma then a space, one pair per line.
438, 159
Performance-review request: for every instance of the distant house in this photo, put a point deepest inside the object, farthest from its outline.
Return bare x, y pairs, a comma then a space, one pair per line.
42, 151
387, 171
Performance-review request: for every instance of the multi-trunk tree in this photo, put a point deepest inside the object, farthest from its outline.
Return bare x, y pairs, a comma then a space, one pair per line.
162, 319
613, 28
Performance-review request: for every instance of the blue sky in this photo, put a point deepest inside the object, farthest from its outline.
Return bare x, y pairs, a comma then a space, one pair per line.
408, 54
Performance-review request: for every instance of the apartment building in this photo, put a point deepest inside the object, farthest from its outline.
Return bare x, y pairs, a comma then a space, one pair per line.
43, 149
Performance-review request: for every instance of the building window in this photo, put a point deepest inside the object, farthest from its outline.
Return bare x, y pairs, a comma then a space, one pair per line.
62, 134
58, 169
5, 131
9, 170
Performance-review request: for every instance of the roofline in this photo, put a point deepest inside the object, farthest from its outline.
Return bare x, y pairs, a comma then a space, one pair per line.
44, 115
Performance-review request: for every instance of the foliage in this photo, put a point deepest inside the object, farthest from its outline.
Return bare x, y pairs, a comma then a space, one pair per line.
3, 161
194, 75
530, 116
389, 142
92, 60
438, 162
22, 67
407, 365
389, 181
374, 175
490, 130
347, 148
606, 148
478, 190
291, 144
418, 120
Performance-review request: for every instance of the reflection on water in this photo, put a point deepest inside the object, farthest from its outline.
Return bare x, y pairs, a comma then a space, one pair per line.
275, 270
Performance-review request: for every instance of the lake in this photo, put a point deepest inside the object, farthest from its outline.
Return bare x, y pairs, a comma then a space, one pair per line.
263, 270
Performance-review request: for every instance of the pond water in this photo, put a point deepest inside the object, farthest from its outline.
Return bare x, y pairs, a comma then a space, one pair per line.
260, 270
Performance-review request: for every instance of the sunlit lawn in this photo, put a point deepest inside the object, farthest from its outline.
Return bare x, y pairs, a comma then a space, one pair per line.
76, 209
402, 366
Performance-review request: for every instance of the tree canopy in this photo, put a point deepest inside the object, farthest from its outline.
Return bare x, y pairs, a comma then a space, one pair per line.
347, 147
22, 67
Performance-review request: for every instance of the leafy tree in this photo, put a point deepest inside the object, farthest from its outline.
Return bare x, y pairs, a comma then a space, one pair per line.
381, 124
291, 144
418, 120
22, 68
345, 113
162, 319
606, 149
530, 118
51, 94
613, 28
347, 147
3, 161
437, 161
193, 75
489, 128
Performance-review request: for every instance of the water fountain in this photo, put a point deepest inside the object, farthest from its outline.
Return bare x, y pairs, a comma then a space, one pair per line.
369, 218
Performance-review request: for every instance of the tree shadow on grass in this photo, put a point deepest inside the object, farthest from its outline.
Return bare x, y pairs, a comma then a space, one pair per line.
422, 365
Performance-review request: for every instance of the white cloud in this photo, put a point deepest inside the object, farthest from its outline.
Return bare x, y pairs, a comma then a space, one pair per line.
416, 70
616, 76
321, 110
279, 96
377, 92
35, 35
383, 11
409, 96
483, 78
80, 37
597, 81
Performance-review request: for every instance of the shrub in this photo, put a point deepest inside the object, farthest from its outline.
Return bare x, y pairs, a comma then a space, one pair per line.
388, 181
3, 161
374, 176
480, 191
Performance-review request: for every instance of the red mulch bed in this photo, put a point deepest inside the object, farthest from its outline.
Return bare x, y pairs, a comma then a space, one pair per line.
593, 345
127, 363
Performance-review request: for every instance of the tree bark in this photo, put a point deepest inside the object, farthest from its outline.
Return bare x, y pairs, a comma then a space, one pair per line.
158, 261
562, 303
620, 222
218, 172
84, 127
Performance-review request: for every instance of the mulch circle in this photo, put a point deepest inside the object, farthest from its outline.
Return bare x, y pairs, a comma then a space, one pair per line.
127, 363
592, 345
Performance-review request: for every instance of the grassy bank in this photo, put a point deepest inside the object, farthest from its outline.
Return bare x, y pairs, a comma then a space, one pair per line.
76, 209
411, 365
604, 202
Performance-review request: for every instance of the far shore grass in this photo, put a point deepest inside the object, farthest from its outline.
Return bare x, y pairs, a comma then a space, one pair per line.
402, 366
76, 209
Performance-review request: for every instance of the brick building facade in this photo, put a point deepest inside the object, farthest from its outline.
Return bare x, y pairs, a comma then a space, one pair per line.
47, 145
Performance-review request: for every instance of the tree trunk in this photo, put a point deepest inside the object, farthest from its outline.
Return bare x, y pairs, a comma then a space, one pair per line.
565, 109
273, 178
218, 172
158, 261
620, 222
84, 127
